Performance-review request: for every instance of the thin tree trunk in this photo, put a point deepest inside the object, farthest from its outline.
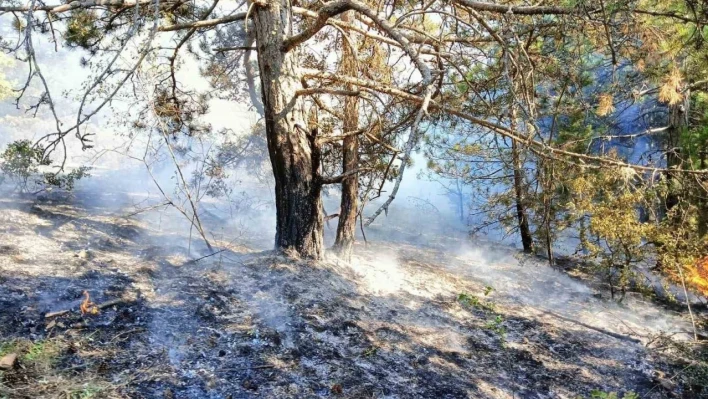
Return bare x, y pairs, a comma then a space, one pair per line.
460, 200
702, 204
291, 145
521, 214
678, 121
346, 226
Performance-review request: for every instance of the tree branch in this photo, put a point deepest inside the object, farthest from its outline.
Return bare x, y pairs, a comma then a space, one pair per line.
540, 148
340, 178
519, 10
237, 48
324, 90
328, 11
329, 139
59, 8
204, 23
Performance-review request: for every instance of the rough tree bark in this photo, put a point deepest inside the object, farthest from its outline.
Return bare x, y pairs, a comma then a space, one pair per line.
292, 147
678, 122
521, 214
346, 226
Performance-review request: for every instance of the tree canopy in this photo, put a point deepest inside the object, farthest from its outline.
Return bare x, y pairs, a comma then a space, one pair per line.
533, 97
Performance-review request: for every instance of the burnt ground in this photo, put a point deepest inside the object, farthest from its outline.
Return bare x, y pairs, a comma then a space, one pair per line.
402, 321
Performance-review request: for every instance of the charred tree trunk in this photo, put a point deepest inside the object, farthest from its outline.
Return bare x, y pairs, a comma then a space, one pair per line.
291, 145
678, 122
702, 203
346, 227
521, 214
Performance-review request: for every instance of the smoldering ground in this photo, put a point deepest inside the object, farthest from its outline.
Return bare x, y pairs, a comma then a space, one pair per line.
421, 311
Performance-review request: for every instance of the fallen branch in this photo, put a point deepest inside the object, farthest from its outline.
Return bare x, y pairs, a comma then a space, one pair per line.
205, 256
99, 306
265, 366
598, 329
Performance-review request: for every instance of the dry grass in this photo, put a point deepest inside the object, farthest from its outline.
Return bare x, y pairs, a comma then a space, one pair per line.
258, 324
40, 372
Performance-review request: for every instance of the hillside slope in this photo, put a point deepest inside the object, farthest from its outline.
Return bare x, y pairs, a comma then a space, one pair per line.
445, 320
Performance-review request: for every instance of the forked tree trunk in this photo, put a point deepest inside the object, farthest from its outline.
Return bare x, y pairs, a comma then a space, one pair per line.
293, 154
346, 226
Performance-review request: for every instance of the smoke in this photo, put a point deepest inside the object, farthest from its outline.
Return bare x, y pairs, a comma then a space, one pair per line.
420, 238
380, 275
529, 282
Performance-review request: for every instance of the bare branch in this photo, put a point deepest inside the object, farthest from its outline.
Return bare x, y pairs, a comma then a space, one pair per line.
251, 77
340, 178
328, 11
204, 23
519, 10
329, 139
324, 90
237, 48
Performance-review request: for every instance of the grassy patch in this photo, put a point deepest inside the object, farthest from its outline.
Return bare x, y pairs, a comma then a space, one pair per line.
473, 301
42, 353
8, 347
40, 373
495, 324
87, 392
370, 351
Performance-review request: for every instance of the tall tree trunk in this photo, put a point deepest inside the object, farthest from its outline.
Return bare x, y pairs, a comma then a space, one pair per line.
521, 214
460, 200
702, 203
678, 122
291, 145
346, 226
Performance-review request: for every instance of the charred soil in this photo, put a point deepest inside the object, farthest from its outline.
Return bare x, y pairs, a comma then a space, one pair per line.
399, 322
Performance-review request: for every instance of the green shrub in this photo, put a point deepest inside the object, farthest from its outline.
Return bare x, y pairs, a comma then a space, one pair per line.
21, 162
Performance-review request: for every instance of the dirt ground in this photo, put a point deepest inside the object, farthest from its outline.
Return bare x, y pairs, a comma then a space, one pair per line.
401, 321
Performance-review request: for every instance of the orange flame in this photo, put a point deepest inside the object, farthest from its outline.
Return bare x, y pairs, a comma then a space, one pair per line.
697, 275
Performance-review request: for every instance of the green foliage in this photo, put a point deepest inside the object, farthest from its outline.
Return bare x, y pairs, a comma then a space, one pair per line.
42, 352
7, 347
473, 301
21, 160
82, 29
497, 326
597, 394
22, 163
67, 181
615, 235
694, 141
576, 135
89, 392
39, 354
370, 351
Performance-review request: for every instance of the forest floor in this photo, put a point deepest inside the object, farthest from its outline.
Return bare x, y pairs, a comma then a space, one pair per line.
425, 317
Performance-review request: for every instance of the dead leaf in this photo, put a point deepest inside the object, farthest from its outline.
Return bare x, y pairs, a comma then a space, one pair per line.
50, 325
